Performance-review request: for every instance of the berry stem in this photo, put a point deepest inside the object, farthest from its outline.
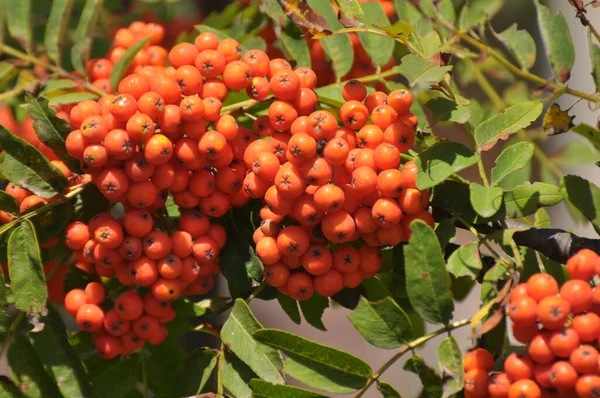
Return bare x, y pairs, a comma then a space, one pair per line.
409, 348
61, 72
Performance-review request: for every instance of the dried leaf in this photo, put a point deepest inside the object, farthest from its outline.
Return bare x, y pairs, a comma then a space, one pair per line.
496, 317
304, 15
557, 121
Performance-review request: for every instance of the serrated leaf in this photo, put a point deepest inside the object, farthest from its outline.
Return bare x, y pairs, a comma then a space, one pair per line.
383, 323
294, 42
273, 10
432, 382
595, 58
70, 96
254, 267
51, 129
220, 34
237, 376
8, 203
18, 12
557, 121
337, 47
56, 28
264, 389
526, 198
83, 36
194, 373
542, 219
520, 44
60, 359
50, 223
313, 310
451, 364
380, 48
28, 371
445, 110
125, 61
317, 365
387, 390
556, 269
465, 261
445, 231
27, 277
427, 281
441, 161
557, 41
530, 262
518, 91
290, 307
585, 196
589, 132
118, 380
477, 12
25, 166
349, 12
486, 201
407, 12
576, 153
237, 335
501, 126
417, 70
455, 197
512, 158
308, 15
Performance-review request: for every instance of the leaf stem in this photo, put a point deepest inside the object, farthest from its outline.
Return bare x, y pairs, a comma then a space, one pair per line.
220, 371
409, 348
11, 331
61, 72
482, 239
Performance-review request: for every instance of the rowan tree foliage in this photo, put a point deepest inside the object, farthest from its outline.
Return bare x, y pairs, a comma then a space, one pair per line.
318, 153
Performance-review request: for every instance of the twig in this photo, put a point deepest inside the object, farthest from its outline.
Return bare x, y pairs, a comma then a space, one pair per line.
556, 244
11, 331
408, 348
482, 239
581, 14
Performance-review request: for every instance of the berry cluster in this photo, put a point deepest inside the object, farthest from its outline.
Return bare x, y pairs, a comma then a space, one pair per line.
139, 255
338, 183
561, 330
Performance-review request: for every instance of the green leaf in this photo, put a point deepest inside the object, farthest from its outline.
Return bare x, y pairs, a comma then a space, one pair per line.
455, 197
486, 201
237, 376
445, 110
118, 380
50, 223
313, 310
400, 31
589, 132
264, 389
290, 306
28, 168
525, 199
8, 203
61, 97
125, 61
450, 361
595, 58
83, 36
204, 28
379, 48
556, 269
28, 371
427, 281
511, 159
7, 388
500, 126
25, 269
18, 14
530, 262
441, 161
585, 196
520, 44
465, 261
576, 153
417, 70
317, 365
387, 390
237, 334
349, 10
56, 29
406, 11
51, 129
295, 44
254, 267
557, 41
60, 359
432, 382
337, 47
542, 219
478, 12
194, 373
445, 231
382, 323
8, 71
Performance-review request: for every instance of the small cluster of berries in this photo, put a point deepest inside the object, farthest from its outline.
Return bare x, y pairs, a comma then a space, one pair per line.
560, 327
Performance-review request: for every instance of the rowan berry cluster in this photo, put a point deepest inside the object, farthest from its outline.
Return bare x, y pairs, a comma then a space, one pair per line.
140, 256
560, 327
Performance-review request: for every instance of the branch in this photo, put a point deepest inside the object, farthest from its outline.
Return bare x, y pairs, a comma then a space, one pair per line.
556, 244
581, 14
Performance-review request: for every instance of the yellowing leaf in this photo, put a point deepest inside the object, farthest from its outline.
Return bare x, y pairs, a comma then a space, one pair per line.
557, 121
304, 15
400, 30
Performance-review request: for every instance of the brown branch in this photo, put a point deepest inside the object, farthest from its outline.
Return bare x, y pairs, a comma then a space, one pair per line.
581, 15
556, 244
